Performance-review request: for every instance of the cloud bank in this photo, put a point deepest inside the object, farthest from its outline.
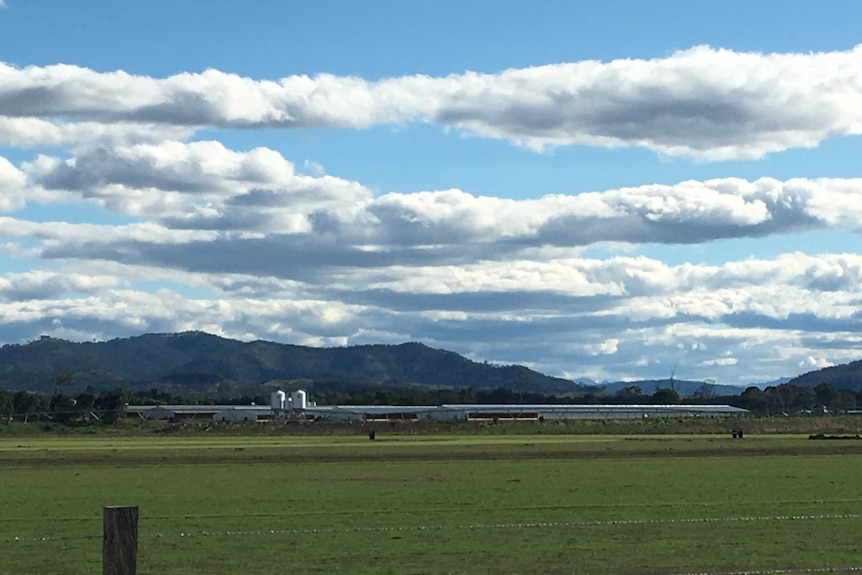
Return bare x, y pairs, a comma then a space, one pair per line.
243, 245
706, 103
119, 216
256, 198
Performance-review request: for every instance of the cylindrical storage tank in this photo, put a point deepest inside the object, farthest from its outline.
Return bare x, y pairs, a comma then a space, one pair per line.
299, 399
276, 399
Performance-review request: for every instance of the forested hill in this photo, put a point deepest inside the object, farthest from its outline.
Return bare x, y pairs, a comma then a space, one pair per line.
197, 360
845, 376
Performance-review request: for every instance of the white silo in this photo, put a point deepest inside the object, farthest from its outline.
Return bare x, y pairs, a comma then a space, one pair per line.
299, 399
276, 400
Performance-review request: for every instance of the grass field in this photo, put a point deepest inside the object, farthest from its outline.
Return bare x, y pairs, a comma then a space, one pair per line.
436, 504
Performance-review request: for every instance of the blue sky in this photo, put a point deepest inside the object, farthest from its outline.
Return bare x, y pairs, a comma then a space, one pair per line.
602, 190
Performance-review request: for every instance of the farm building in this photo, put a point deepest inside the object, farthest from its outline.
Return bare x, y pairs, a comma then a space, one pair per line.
297, 405
279, 403
205, 412
460, 412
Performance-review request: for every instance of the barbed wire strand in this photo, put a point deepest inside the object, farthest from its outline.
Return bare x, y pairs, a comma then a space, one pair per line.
461, 527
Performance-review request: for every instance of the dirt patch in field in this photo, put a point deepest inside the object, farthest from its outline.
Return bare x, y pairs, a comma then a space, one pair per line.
433, 479
474, 453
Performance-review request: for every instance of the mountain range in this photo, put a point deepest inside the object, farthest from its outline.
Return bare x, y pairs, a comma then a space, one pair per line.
196, 360
199, 361
844, 376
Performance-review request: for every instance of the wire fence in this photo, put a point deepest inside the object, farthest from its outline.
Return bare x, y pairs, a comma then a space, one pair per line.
457, 527
180, 535
54, 415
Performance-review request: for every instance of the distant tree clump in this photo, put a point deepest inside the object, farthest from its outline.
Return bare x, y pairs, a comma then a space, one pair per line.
791, 398
665, 396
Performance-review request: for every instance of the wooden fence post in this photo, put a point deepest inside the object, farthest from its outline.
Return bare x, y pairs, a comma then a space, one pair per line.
119, 540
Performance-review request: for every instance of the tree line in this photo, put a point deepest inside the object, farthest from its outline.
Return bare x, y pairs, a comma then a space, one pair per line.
790, 398
106, 407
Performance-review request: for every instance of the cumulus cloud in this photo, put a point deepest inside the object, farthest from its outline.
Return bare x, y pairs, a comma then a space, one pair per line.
28, 132
689, 212
721, 361
197, 184
205, 186
12, 186
45, 284
702, 102
168, 166
114, 312
243, 244
568, 315
446, 267
811, 363
614, 293
272, 253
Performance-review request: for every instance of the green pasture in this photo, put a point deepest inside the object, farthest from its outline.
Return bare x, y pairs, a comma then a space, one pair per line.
435, 504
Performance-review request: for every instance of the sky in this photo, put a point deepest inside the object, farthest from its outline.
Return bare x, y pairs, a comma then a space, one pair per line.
610, 190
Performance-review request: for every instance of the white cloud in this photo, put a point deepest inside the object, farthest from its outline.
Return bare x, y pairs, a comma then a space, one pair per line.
553, 312
723, 361
609, 346
27, 132
811, 363
49, 284
206, 186
244, 245
313, 168
702, 102
480, 275
13, 185
117, 312
279, 255
197, 184
689, 212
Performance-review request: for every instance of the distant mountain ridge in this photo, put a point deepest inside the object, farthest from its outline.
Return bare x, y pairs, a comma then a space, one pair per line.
196, 359
199, 361
844, 376
685, 387
682, 386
